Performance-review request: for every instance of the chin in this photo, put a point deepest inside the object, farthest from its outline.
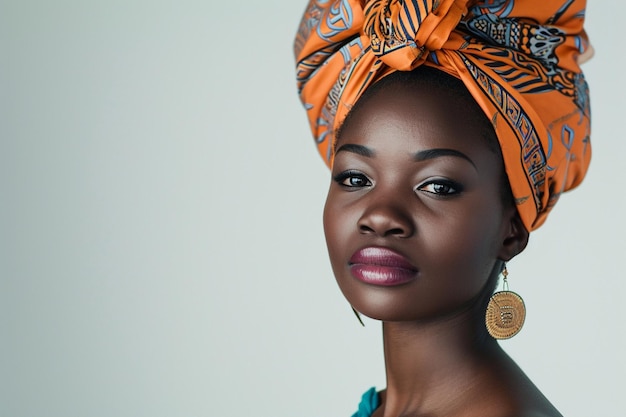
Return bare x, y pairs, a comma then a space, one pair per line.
397, 305
386, 305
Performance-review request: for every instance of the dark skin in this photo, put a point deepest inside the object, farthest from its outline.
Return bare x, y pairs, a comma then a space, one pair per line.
414, 174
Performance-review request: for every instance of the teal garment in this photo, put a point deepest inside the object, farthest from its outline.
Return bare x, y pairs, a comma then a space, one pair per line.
369, 402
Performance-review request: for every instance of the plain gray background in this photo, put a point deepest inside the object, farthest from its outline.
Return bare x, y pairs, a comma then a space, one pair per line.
161, 249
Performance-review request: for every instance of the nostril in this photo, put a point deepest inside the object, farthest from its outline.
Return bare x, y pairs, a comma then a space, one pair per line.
365, 229
385, 221
394, 232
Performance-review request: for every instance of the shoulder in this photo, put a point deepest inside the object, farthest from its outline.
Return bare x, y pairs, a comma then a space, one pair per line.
521, 394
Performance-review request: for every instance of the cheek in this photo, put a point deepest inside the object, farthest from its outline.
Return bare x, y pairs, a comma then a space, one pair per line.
333, 227
327, 217
339, 230
471, 241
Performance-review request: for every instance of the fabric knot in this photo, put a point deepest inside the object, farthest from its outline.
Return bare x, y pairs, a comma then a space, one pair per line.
401, 33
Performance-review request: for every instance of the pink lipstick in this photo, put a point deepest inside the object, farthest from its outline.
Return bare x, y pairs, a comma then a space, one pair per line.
381, 266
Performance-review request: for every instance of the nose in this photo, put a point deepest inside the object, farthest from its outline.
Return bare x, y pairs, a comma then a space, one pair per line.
386, 219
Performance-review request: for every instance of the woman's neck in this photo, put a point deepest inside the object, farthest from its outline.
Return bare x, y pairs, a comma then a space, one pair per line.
433, 366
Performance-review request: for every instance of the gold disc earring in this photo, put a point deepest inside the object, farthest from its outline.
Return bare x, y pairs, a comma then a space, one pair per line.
505, 312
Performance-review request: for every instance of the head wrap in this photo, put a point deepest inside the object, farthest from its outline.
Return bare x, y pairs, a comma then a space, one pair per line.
519, 59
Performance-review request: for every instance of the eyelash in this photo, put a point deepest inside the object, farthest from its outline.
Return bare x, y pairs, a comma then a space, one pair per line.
450, 188
342, 177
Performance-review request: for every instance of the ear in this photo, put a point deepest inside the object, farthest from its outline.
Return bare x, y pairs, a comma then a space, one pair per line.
515, 237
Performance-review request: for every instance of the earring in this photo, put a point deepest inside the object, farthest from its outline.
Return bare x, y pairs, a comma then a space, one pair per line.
358, 316
505, 312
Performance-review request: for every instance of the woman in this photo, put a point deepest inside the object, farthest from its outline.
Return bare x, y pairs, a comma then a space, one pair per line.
451, 128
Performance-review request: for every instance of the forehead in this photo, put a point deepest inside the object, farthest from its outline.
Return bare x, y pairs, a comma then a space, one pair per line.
416, 113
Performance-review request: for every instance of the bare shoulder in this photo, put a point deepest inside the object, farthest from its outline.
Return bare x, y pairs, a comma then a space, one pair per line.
519, 394
513, 406
524, 405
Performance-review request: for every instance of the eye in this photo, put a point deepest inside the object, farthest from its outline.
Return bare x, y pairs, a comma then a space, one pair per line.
444, 188
352, 179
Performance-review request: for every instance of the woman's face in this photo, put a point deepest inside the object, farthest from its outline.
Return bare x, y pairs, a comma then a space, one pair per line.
414, 219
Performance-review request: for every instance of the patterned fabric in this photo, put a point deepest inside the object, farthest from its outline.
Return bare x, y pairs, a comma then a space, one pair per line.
519, 60
369, 403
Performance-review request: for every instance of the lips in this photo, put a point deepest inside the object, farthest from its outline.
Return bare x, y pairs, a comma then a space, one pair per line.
381, 266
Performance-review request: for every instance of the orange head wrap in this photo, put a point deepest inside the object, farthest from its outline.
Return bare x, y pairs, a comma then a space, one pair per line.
519, 60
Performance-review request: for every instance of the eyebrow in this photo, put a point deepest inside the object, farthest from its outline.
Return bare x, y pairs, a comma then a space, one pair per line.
357, 149
418, 156
439, 152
